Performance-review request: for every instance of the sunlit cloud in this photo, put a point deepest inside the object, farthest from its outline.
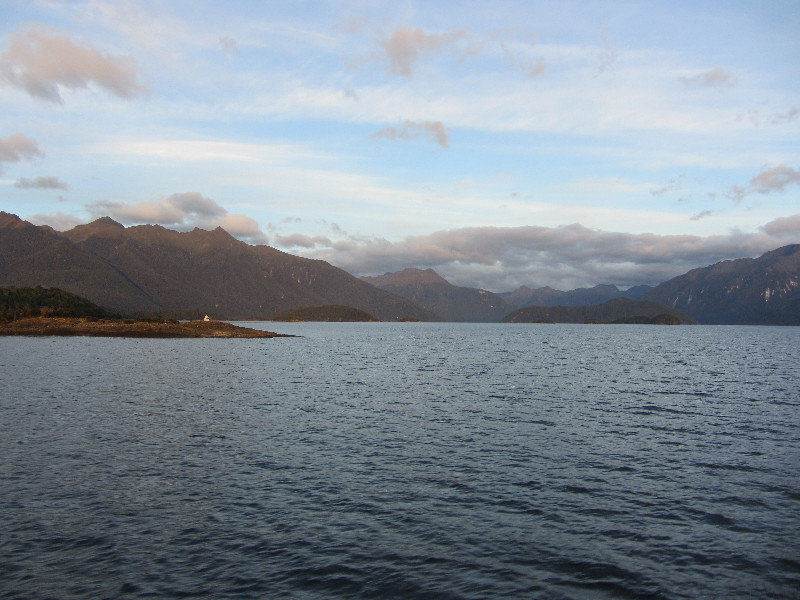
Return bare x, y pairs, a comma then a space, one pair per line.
18, 147
42, 63
182, 211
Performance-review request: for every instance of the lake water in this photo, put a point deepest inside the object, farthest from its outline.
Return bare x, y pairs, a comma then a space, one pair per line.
404, 460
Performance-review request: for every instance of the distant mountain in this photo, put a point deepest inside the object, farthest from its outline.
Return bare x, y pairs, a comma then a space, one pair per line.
547, 296
452, 303
757, 291
620, 310
149, 269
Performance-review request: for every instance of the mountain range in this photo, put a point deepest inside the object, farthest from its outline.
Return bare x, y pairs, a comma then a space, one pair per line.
452, 303
547, 296
148, 269
618, 310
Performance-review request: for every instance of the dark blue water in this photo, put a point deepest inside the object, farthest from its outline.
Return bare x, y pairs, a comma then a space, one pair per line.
404, 461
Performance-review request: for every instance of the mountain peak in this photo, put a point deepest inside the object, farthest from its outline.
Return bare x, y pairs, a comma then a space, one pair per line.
106, 222
11, 221
407, 276
104, 226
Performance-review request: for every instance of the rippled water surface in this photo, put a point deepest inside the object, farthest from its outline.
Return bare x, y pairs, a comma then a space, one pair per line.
404, 461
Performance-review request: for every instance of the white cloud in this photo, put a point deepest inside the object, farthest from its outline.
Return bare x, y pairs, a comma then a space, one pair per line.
18, 147
42, 62
56, 220
204, 150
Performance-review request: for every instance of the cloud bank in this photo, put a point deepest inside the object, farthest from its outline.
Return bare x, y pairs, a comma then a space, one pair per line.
565, 257
182, 211
41, 63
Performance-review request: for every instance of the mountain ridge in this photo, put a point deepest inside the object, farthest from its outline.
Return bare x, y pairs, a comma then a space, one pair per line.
757, 291
615, 310
147, 269
431, 291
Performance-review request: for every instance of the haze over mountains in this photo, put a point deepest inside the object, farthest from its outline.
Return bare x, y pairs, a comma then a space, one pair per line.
148, 269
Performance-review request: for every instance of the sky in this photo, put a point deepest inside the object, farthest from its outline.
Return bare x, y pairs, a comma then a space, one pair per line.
500, 143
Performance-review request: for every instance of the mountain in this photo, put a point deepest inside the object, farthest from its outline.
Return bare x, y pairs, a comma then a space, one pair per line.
620, 310
755, 291
150, 269
547, 296
452, 303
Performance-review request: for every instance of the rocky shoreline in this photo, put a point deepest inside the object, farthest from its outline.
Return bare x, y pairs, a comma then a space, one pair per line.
61, 326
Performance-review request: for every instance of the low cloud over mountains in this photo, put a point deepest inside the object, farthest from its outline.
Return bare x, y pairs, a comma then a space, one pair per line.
565, 257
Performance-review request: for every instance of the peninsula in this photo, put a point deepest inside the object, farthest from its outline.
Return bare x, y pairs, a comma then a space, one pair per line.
146, 328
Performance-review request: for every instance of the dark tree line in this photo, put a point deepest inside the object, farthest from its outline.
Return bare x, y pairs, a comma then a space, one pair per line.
21, 302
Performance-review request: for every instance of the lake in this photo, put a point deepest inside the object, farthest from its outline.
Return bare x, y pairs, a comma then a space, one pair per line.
404, 460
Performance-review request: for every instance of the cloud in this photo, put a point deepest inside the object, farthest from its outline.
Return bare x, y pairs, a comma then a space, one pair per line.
674, 184
56, 220
716, 77
42, 62
565, 257
786, 117
410, 130
701, 215
183, 211
774, 179
298, 240
406, 45
228, 44
41, 183
606, 56
18, 147
784, 226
